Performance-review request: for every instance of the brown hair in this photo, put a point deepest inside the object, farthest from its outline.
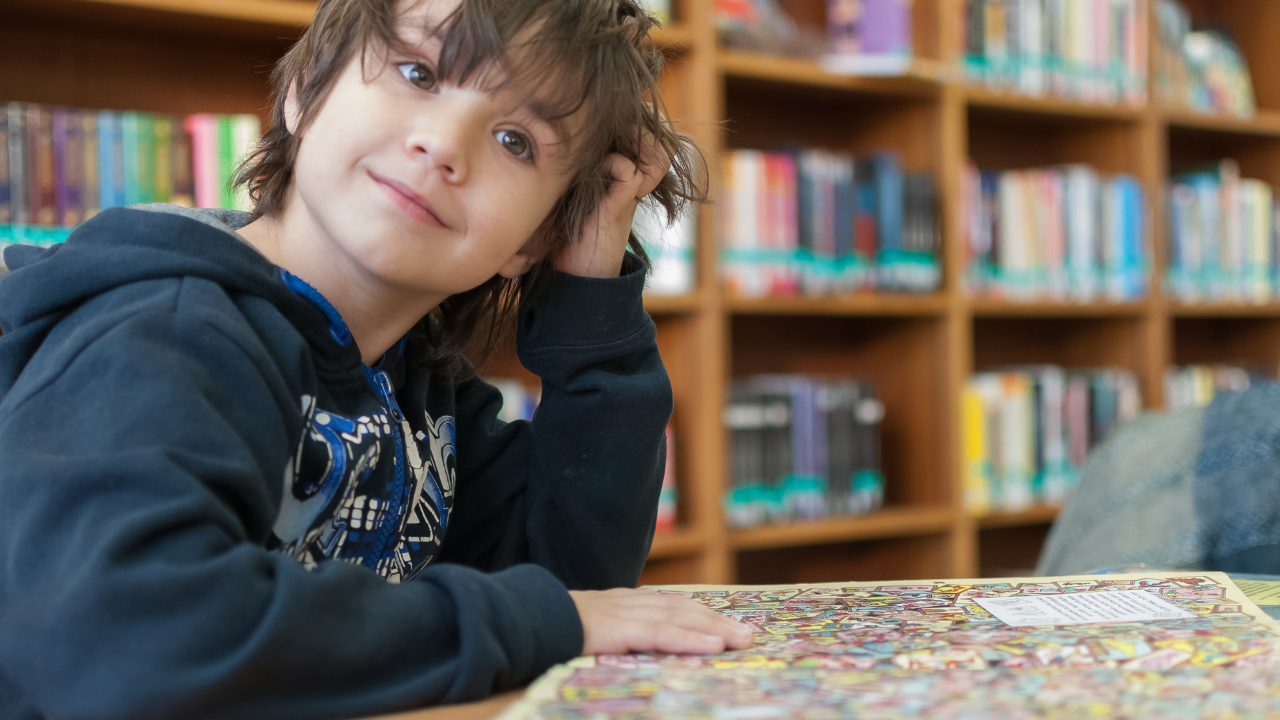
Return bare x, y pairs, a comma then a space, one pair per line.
594, 55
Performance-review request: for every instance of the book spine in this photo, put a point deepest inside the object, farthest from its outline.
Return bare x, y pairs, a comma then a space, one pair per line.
69, 167
182, 165
146, 159
204, 159
225, 156
91, 191
162, 144
129, 157
245, 131
19, 180
41, 166
6, 194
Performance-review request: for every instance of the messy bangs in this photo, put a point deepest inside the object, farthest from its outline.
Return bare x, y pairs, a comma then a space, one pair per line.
586, 67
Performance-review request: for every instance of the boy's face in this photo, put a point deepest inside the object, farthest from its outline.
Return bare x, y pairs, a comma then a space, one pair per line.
426, 186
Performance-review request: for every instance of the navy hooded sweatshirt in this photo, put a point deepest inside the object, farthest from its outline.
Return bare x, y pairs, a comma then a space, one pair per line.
210, 507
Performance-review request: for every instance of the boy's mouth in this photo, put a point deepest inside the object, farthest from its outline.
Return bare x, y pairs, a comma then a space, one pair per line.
408, 200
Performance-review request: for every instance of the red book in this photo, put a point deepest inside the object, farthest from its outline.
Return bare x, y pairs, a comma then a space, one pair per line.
43, 201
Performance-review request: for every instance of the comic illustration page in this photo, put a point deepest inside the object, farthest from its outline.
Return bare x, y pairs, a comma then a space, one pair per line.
1154, 644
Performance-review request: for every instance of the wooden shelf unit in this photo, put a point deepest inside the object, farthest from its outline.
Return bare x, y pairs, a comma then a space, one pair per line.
184, 56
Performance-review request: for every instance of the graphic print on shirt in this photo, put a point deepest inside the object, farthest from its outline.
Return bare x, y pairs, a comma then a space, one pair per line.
338, 502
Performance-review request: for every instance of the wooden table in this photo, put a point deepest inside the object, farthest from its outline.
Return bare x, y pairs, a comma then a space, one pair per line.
483, 710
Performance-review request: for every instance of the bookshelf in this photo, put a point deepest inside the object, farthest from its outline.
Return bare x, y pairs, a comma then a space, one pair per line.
214, 55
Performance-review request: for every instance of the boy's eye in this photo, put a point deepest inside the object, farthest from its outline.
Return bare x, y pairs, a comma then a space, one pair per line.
418, 74
513, 142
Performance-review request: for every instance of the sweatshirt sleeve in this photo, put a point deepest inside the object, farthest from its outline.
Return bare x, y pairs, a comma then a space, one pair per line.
134, 510
575, 490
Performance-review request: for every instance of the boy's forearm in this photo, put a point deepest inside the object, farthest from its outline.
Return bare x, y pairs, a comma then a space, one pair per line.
598, 436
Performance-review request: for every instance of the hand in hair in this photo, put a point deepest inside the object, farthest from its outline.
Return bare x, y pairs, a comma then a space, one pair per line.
600, 250
630, 620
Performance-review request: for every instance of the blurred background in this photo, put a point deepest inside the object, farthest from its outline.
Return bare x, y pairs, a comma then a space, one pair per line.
953, 244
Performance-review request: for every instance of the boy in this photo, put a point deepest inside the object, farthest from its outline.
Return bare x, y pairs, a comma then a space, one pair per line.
243, 472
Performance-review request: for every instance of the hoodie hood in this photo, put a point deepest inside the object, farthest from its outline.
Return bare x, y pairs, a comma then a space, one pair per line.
122, 246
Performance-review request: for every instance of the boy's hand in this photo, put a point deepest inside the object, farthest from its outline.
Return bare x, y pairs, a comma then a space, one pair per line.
599, 252
626, 620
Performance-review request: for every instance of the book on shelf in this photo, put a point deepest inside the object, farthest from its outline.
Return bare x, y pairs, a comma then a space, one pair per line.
1201, 70
519, 401
802, 448
1140, 644
1222, 237
1075, 49
660, 10
868, 37
1196, 385
668, 497
64, 165
671, 249
1058, 233
815, 222
1027, 431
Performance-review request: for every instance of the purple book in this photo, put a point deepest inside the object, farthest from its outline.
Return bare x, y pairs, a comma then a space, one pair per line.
885, 27
68, 167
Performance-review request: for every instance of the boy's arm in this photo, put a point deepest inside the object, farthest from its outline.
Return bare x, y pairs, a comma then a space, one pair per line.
576, 489
134, 506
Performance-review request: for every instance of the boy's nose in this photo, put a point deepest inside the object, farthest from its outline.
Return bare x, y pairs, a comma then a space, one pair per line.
443, 139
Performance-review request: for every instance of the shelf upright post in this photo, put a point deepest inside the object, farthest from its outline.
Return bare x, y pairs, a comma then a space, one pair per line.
706, 109
1157, 326
963, 539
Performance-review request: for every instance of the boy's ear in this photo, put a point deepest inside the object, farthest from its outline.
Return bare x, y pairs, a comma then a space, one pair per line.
291, 111
529, 254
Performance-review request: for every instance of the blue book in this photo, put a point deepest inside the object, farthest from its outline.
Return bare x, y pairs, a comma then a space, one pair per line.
111, 160
845, 206
888, 179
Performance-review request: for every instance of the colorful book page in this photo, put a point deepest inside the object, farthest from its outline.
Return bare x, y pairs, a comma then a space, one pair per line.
928, 649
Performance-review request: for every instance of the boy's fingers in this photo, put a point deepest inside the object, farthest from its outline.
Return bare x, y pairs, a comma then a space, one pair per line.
690, 615
661, 637
653, 164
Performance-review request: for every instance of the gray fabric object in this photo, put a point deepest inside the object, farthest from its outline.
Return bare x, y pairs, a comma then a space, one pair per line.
1192, 489
1237, 491
1135, 502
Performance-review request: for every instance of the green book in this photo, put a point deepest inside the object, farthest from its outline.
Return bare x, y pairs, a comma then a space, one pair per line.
129, 159
163, 136
226, 161
146, 158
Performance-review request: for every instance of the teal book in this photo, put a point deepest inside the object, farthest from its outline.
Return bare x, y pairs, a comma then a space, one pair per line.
130, 130
146, 144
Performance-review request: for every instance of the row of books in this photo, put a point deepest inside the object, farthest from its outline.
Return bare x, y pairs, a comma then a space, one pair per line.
1196, 385
60, 166
815, 222
671, 248
1028, 431
1087, 50
1202, 70
1222, 237
520, 401
802, 448
1060, 233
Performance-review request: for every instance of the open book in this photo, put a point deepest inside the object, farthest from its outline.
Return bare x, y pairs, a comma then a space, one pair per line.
1184, 644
